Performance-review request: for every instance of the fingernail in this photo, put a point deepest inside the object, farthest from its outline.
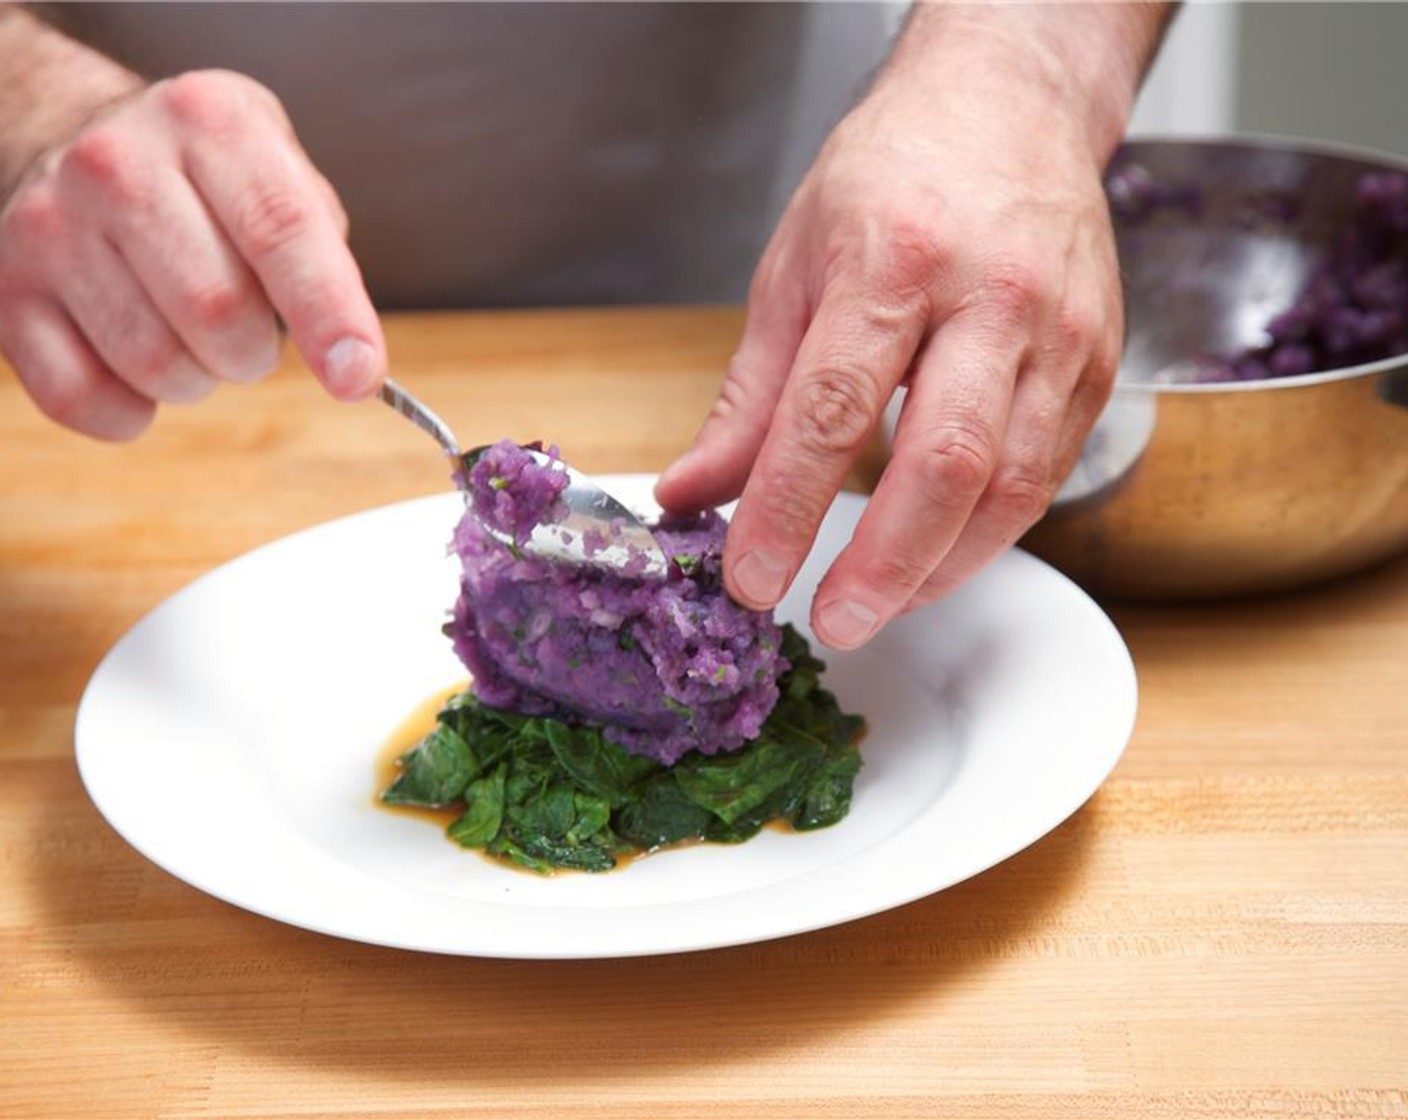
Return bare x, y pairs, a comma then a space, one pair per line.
350, 367
846, 624
760, 577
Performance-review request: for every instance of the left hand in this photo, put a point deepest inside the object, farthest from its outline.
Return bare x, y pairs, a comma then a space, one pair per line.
953, 236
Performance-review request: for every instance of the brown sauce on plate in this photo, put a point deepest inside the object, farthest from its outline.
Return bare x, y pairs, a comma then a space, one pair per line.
419, 723
410, 731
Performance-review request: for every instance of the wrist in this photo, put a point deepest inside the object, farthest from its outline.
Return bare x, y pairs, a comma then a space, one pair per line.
50, 87
1082, 63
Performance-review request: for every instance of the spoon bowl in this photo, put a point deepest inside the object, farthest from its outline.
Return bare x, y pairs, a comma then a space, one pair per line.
597, 531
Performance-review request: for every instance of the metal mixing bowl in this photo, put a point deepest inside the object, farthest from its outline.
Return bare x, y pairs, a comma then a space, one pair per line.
1203, 490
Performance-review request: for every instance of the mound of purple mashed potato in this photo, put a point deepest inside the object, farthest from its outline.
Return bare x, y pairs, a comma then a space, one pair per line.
662, 666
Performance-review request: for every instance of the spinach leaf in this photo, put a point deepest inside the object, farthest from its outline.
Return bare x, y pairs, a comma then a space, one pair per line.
504, 848
804, 677
593, 820
663, 814
558, 827
532, 771
828, 797
521, 726
483, 812
543, 855
596, 764
550, 814
777, 806
732, 785
435, 771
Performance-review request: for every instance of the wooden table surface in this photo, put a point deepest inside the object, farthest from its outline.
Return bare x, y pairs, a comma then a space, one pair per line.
1222, 931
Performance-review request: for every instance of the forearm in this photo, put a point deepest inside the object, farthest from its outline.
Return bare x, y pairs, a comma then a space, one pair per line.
1086, 60
49, 87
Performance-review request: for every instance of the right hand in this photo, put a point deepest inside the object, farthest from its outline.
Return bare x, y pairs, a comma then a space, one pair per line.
152, 254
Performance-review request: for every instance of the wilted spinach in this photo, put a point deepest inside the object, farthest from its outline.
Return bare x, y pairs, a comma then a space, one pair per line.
547, 794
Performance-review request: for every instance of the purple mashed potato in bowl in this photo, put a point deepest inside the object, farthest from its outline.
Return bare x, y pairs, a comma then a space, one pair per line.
664, 667
1255, 262
1353, 308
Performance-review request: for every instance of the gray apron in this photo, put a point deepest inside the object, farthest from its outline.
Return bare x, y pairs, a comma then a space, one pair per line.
518, 154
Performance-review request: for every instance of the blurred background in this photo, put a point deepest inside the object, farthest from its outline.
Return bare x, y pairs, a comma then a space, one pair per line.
511, 154
1325, 71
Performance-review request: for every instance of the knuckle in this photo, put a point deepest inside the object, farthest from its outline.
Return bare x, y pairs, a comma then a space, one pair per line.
1105, 365
1020, 494
1011, 292
897, 573
97, 152
1076, 330
837, 408
105, 157
958, 461
203, 100
895, 321
322, 304
36, 216
930, 591
218, 307
270, 217
731, 399
909, 259
151, 363
249, 91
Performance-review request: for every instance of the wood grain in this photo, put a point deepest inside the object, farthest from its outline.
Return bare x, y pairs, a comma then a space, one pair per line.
1221, 932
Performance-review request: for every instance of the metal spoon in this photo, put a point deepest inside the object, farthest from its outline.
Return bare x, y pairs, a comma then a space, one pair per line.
627, 546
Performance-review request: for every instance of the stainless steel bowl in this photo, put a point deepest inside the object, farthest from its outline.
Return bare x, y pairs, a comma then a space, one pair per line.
1204, 490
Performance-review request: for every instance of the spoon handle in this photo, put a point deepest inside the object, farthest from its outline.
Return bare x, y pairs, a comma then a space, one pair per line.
418, 414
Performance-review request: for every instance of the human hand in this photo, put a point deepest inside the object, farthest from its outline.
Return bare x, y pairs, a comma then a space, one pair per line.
145, 258
953, 235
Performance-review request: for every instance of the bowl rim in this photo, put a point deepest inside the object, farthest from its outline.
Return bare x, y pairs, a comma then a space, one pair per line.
1399, 362
1335, 149
1269, 141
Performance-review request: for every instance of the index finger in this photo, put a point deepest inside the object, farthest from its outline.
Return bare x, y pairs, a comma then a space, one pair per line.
271, 205
854, 355
947, 444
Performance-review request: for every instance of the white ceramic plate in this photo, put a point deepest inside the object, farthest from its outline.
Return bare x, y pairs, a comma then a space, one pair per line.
231, 735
